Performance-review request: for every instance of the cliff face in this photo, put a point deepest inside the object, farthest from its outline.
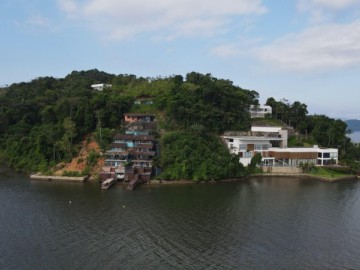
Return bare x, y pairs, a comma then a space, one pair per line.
81, 162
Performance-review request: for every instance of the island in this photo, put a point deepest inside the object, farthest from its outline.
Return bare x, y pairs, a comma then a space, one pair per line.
95, 125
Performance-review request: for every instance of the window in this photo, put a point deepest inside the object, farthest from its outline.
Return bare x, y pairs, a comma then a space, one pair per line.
247, 155
260, 147
242, 147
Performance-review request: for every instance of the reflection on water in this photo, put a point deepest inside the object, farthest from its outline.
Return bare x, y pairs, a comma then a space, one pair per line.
272, 223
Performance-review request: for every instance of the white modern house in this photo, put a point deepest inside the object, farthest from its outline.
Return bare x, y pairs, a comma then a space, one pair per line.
258, 140
271, 143
100, 86
259, 111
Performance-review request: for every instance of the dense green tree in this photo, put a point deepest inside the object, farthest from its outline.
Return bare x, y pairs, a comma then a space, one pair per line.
42, 121
255, 161
193, 154
216, 104
37, 119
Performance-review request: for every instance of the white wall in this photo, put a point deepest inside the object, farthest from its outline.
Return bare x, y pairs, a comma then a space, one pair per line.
265, 129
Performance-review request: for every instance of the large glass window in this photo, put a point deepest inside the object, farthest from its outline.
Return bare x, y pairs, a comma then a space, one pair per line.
242, 147
247, 154
259, 147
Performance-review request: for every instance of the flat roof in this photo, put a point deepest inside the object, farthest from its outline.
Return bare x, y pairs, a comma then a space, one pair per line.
139, 114
253, 138
302, 149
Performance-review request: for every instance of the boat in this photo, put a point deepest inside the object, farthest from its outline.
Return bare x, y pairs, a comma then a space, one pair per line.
108, 183
120, 173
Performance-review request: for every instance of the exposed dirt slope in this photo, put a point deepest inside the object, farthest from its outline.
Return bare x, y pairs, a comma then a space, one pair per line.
78, 163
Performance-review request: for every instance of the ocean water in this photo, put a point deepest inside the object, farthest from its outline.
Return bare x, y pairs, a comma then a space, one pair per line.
258, 223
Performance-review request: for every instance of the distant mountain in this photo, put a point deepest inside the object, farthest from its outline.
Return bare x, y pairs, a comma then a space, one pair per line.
353, 124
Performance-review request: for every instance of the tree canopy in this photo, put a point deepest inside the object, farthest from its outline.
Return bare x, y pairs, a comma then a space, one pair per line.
42, 121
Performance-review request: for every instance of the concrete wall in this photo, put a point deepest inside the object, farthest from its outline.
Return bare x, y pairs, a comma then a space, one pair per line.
275, 169
265, 129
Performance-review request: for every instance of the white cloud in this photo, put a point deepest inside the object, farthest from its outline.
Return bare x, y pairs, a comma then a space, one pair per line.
236, 49
120, 19
68, 6
305, 5
325, 11
37, 21
331, 46
35, 24
226, 50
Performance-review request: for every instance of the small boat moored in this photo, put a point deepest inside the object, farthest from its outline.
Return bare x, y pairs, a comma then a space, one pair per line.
108, 183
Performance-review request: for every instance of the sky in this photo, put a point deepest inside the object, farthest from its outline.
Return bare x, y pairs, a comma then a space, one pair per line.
300, 50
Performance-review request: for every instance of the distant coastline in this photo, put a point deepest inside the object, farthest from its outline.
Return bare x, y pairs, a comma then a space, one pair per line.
353, 124
355, 137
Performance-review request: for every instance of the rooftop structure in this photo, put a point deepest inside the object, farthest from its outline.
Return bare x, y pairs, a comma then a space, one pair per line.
136, 117
100, 86
259, 111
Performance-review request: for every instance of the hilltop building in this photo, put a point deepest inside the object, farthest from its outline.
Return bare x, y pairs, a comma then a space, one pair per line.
100, 86
260, 111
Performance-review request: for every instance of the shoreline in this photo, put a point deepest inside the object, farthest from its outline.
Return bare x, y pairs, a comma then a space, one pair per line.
309, 176
265, 175
82, 179
50, 178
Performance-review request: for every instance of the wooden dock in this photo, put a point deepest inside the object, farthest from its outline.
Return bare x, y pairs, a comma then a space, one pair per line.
134, 182
108, 183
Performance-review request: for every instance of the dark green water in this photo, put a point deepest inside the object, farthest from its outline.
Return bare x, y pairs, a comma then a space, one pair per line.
272, 223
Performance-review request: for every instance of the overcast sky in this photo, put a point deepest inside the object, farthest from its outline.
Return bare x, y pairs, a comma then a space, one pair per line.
301, 50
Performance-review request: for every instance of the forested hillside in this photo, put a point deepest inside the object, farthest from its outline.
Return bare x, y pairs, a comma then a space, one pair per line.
43, 121
195, 111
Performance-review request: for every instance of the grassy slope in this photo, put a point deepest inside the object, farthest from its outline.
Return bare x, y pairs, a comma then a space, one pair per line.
328, 174
266, 122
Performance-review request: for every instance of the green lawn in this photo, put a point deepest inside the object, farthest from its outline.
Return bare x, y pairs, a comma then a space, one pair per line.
267, 122
322, 172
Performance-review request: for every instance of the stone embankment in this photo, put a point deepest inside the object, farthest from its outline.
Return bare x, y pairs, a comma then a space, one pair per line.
310, 176
41, 177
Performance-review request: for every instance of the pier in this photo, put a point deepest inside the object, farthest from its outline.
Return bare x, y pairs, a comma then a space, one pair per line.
134, 182
108, 183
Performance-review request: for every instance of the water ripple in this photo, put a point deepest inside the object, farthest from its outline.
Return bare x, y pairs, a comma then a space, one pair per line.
255, 224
